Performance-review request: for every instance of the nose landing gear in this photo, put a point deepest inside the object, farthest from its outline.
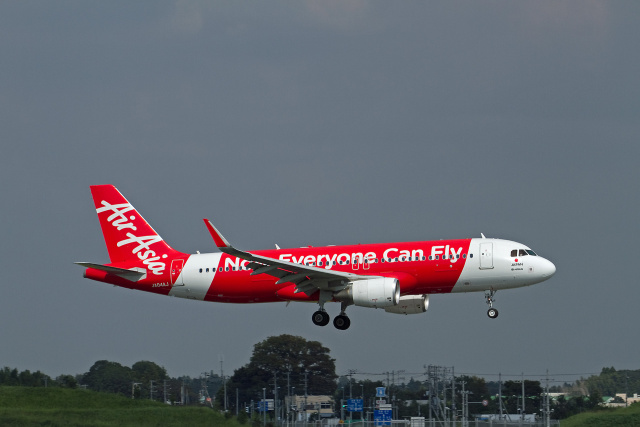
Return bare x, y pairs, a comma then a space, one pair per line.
488, 295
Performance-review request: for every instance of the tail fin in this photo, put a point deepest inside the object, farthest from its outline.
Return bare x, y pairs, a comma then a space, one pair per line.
127, 235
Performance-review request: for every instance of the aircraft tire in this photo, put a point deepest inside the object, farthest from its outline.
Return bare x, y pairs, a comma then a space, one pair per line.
492, 313
341, 322
320, 318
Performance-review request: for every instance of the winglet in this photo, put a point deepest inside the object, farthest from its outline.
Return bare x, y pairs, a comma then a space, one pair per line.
218, 238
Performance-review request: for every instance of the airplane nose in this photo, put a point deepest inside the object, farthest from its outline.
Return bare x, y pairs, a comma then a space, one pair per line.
548, 269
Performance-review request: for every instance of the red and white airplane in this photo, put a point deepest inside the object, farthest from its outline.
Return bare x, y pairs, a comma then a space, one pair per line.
397, 277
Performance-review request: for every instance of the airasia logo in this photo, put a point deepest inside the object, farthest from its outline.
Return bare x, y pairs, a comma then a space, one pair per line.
143, 249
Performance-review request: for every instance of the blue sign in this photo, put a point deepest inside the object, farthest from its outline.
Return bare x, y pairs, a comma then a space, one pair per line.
354, 405
380, 392
382, 417
263, 405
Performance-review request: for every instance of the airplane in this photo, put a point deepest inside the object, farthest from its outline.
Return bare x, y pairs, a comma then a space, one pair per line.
396, 277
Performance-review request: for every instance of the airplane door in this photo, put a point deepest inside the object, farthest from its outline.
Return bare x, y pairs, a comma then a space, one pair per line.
176, 268
486, 256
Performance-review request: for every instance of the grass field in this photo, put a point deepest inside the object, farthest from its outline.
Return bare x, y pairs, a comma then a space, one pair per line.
627, 417
29, 406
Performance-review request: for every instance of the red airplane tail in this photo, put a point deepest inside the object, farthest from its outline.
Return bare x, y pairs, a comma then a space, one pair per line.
127, 235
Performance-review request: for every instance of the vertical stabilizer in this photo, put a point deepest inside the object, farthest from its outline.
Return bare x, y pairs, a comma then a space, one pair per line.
127, 235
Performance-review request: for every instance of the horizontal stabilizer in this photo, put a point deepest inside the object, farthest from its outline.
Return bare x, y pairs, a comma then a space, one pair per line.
133, 274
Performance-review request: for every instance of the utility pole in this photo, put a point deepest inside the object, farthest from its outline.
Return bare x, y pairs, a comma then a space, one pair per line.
224, 383
306, 372
453, 396
500, 392
523, 404
350, 375
288, 406
465, 405
275, 395
264, 406
626, 390
546, 399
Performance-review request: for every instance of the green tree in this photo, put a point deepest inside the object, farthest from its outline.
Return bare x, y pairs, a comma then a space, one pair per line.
280, 357
109, 377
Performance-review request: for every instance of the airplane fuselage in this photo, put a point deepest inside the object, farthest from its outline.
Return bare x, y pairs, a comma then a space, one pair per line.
428, 267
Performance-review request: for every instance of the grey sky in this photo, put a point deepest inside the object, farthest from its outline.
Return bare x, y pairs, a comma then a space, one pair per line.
322, 122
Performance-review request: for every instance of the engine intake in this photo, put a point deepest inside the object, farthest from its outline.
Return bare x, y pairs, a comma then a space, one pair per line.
374, 293
410, 304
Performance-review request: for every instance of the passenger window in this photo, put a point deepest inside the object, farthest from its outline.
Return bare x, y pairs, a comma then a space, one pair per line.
226, 269
470, 255
464, 256
200, 270
207, 270
438, 257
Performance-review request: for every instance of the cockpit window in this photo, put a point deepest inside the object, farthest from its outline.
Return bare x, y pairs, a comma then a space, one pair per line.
514, 253
530, 252
522, 252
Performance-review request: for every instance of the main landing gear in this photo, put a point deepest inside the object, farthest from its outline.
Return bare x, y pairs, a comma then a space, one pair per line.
320, 318
488, 295
341, 321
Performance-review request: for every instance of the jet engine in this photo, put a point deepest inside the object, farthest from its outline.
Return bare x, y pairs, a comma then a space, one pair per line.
374, 293
410, 304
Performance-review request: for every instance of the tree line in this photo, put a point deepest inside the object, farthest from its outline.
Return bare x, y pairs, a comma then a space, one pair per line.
286, 365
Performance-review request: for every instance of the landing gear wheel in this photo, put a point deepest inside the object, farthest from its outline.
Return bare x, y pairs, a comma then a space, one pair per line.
341, 322
320, 318
492, 313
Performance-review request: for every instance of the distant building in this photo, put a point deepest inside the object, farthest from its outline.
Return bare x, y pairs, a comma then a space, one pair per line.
322, 405
631, 399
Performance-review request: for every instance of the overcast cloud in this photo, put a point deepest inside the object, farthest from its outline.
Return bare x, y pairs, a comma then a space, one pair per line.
322, 122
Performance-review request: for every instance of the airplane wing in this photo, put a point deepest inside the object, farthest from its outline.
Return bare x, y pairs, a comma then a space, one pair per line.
308, 279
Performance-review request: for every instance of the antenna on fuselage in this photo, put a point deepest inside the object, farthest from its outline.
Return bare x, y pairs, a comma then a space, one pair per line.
482, 234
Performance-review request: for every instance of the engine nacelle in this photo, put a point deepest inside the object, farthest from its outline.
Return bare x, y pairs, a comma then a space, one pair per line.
410, 304
374, 293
